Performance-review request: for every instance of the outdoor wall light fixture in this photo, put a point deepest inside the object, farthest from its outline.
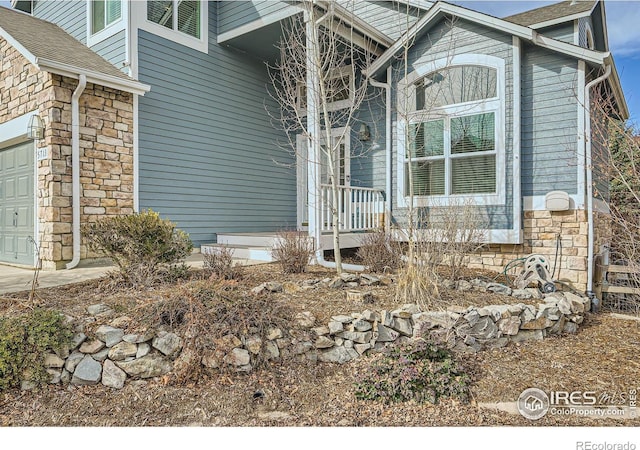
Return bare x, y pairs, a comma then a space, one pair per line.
364, 134
35, 129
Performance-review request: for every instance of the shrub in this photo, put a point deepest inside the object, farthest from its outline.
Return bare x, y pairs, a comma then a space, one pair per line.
378, 252
219, 262
293, 250
24, 340
423, 372
206, 312
146, 248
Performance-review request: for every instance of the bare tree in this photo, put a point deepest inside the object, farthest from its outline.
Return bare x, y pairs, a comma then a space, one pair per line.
319, 87
445, 229
615, 163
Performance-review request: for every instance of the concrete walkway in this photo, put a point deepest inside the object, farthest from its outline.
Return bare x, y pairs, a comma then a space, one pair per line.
16, 279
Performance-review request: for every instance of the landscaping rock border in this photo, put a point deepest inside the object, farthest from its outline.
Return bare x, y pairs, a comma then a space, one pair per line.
111, 357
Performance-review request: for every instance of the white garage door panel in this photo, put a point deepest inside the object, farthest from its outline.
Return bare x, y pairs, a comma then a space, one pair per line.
17, 203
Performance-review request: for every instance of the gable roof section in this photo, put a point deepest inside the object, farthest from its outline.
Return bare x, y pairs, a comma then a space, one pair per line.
442, 9
390, 18
51, 49
553, 14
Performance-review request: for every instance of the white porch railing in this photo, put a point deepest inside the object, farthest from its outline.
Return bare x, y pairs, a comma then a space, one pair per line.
359, 209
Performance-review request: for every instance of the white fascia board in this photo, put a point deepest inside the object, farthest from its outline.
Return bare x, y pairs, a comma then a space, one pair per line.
358, 40
604, 25
361, 25
614, 80
18, 46
446, 8
421, 4
559, 20
257, 24
135, 87
519, 31
591, 56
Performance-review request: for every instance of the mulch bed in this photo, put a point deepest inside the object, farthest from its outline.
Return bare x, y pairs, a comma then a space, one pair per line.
601, 357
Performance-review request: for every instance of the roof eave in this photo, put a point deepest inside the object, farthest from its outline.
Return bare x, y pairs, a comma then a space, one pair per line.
519, 31
614, 79
556, 20
18, 46
591, 56
132, 86
445, 8
559, 20
356, 22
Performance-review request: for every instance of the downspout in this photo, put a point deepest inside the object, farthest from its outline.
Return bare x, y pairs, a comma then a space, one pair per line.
589, 177
75, 169
313, 130
388, 157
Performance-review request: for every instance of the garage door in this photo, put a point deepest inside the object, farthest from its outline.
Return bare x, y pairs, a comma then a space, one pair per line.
16, 204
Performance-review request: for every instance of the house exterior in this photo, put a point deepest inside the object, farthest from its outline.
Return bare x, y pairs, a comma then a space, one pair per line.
193, 140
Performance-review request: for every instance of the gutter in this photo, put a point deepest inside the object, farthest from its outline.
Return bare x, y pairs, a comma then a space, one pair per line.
102, 79
75, 168
388, 142
588, 152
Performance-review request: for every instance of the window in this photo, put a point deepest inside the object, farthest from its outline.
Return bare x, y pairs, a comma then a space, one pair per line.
453, 133
339, 89
590, 44
177, 15
104, 13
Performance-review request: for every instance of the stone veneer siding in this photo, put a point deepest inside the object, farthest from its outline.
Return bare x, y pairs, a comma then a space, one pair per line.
541, 229
106, 150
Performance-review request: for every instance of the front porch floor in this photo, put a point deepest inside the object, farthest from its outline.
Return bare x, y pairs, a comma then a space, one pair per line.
257, 246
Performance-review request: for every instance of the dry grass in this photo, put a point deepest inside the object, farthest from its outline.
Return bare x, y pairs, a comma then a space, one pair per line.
602, 356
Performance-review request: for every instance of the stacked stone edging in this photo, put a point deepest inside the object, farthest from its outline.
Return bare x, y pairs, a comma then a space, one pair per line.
111, 357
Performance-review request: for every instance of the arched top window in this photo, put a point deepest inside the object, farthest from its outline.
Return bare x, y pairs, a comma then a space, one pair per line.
458, 84
590, 43
453, 132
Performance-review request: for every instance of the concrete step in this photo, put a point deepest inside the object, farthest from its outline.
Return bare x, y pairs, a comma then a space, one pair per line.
247, 239
249, 252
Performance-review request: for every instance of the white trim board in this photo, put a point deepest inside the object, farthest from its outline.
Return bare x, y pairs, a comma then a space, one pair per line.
516, 150
406, 98
490, 236
139, 22
522, 32
257, 24
15, 130
111, 29
581, 141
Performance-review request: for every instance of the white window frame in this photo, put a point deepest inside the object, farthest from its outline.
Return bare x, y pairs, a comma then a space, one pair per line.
589, 43
407, 115
110, 29
333, 106
139, 19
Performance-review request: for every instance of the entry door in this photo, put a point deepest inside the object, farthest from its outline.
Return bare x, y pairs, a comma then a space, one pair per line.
342, 161
17, 204
339, 149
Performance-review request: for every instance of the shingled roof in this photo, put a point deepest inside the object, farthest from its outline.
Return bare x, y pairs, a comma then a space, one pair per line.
52, 49
551, 12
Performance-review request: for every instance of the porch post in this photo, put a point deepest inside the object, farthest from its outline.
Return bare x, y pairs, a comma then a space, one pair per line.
313, 131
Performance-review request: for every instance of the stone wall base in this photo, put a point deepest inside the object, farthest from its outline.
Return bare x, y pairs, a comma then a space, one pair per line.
561, 237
